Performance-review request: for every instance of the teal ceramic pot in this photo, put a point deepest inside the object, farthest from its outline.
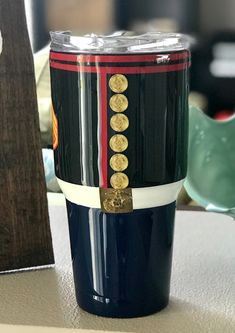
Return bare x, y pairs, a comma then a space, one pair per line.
211, 163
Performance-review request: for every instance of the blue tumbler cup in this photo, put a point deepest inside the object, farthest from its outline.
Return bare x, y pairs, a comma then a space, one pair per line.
120, 130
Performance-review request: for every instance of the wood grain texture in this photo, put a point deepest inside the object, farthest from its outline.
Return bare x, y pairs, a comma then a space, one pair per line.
25, 238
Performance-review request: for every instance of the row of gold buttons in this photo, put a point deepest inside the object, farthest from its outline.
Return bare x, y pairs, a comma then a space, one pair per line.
119, 122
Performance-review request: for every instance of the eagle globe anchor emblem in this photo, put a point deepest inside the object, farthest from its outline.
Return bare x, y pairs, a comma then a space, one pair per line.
116, 201
211, 162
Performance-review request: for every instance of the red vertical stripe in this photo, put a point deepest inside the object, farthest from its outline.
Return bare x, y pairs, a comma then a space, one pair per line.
104, 134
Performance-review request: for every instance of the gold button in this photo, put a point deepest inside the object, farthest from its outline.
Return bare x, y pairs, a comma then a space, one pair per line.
118, 83
118, 143
119, 181
119, 162
118, 103
119, 122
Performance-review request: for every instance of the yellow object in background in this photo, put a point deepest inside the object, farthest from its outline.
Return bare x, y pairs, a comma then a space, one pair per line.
55, 134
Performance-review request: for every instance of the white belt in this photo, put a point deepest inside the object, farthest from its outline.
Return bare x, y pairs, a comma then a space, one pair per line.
144, 197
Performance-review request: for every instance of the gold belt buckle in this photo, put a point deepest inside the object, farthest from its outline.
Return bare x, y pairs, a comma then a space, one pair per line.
116, 200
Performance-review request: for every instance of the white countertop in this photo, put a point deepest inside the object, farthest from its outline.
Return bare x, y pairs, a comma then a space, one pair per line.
202, 289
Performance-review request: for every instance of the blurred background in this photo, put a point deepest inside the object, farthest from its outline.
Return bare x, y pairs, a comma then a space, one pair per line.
211, 23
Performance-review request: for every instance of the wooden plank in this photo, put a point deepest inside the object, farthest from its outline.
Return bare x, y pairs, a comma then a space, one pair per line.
25, 238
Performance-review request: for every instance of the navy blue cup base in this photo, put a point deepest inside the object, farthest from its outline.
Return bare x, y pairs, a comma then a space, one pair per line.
117, 308
122, 262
